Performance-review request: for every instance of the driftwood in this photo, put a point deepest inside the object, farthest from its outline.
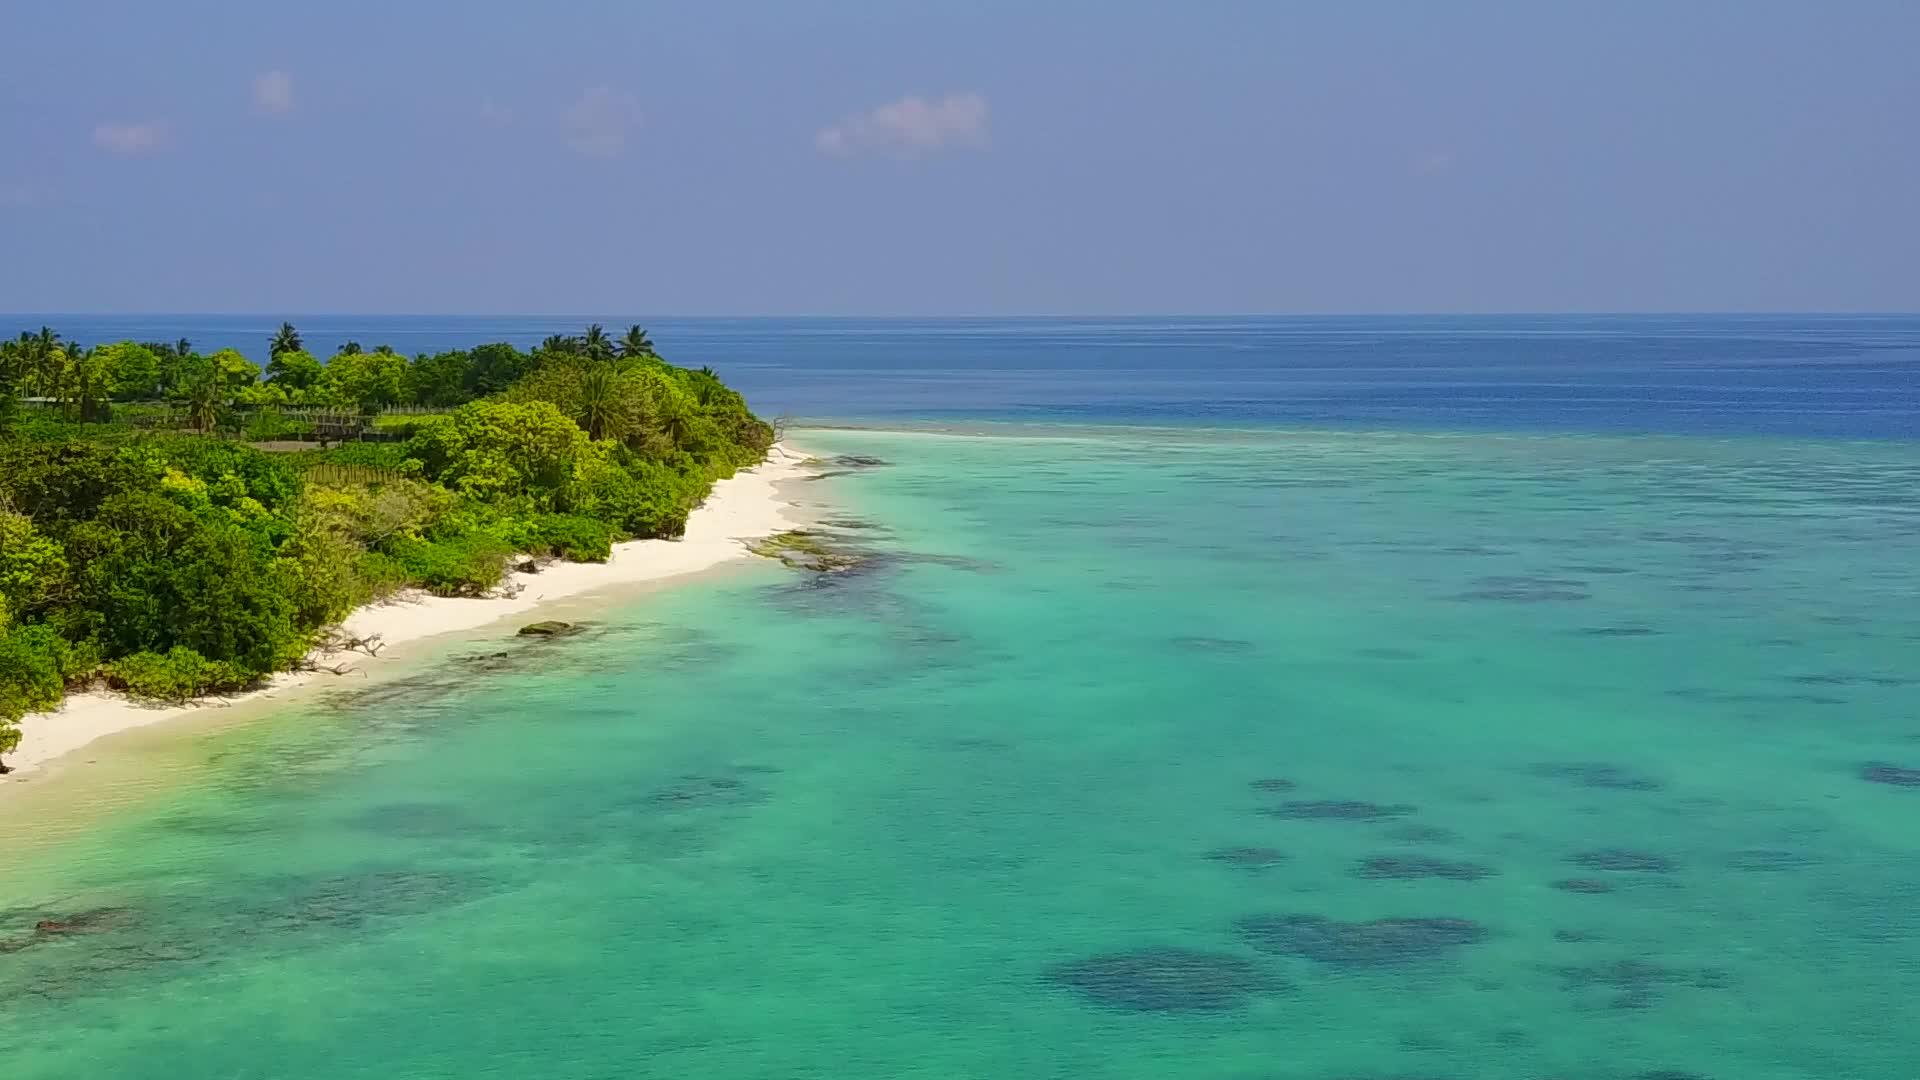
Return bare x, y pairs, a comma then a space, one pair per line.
340, 641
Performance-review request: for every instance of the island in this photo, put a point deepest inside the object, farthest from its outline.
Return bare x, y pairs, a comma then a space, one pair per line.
175, 524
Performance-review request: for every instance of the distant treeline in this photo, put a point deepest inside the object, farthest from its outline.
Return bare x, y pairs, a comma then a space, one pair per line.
85, 382
174, 565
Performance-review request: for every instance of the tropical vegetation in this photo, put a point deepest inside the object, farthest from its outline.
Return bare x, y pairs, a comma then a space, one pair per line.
179, 560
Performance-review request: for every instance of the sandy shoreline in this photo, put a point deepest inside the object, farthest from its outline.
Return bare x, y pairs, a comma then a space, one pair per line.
747, 506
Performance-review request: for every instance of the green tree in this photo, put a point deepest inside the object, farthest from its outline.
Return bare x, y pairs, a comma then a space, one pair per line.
42, 362
494, 367
560, 345
234, 370
606, 402
83, 383
200, 388
132, 370
294, 369
440, 379
604, 411
32, 567
499, 449
636, 344
365, 381
286, 339
151, 574
596, 345
349, 348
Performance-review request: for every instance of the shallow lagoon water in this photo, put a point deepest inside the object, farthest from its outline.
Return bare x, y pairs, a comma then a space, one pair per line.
1135, 753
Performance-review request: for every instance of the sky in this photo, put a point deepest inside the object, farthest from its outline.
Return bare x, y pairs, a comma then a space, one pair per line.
978, 157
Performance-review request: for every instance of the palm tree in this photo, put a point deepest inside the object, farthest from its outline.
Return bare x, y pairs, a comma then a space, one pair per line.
599, 401
47, 361
636, 344
351, 348
597, 345
287, 339
182, 348
203, 399
560, 344
86, 383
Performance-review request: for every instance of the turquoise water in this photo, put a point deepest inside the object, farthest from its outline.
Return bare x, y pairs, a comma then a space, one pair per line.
1059, 784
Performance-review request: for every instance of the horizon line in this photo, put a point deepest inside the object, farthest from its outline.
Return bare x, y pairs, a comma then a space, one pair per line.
1543, 313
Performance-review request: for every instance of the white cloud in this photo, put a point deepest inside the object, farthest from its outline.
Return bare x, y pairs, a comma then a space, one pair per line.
912, 125
273, 92
598, 123
130, 139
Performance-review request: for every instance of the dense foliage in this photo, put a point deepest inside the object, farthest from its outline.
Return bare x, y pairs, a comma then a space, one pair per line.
176, 564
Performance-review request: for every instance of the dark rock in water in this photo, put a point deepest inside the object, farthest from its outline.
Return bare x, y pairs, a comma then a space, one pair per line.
1165, 980
1526, 590
1423, 834
1879, 772
548, 628
1618, 631
859, 461
692, 791
1769, 861
1624, 861
802, 549
1251, 857
97, 921
1575, 937
1412, 867
1636, 984
1271, 783
416, 819
353, 900
1596, 774
1357, 945
1338, 810
1670, 1074
851, 524
1387, 653
1587, 886
1200, 643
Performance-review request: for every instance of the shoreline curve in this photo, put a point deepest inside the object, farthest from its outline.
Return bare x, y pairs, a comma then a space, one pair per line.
746, 506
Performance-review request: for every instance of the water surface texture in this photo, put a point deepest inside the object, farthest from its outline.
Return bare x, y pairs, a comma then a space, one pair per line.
1490, 742
1853, 376
1131, 753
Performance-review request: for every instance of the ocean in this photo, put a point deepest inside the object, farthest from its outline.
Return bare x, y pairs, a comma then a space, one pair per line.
1838, 376
1263, 699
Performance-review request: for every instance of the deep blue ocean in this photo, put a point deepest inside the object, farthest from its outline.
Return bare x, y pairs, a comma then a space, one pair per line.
1853, 376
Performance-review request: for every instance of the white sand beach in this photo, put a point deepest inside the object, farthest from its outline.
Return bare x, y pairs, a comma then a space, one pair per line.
745, 507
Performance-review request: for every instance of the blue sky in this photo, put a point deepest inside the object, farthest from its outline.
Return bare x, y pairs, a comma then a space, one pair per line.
980, 157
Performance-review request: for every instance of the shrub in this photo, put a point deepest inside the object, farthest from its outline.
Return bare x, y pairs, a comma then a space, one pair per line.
467, 564
563, 536
497, 450
180, 674
644, 498
268, 424
148, 575
378, 575
35, 663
